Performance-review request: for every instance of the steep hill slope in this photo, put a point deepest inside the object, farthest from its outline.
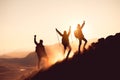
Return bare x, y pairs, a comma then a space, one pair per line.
100, 62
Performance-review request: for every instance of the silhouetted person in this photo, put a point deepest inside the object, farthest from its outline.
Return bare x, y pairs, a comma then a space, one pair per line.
79, 35
65, 39
40, 50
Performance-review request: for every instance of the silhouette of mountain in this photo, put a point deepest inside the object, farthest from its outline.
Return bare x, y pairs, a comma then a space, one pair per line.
14, 68
15, 54
100, 62
29, 60
5, 56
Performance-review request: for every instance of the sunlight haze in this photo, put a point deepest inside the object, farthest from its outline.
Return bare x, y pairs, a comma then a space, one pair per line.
20, 20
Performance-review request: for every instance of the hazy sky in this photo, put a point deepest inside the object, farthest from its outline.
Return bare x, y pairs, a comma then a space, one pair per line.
21, 19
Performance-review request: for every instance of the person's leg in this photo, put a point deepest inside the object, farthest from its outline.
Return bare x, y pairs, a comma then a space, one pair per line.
38, 63
85, 42
68, 51
69, 47
79, 46
65, 48
39, 60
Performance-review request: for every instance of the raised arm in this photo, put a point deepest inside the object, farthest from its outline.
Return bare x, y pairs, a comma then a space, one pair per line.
69, 31
59, 32
83, 24
35, 40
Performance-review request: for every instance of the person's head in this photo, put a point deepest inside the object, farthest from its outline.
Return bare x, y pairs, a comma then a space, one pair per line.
41, 41
65, 32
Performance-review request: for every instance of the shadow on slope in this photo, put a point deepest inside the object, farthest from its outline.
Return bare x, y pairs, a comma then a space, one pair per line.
100, 61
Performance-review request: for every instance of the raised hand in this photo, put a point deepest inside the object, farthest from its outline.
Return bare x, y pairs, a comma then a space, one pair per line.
35, 36
84, 22
70, 28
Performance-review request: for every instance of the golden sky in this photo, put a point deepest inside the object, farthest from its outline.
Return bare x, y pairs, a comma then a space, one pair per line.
21, 19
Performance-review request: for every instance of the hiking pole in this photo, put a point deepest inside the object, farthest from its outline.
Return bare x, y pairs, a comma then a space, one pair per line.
71, 37
58, 38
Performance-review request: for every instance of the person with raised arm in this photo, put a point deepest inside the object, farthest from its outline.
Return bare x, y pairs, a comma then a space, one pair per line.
40, 50
79, 35
65, 39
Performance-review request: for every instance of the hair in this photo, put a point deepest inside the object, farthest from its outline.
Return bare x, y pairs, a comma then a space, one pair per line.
41, 41
65, 32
